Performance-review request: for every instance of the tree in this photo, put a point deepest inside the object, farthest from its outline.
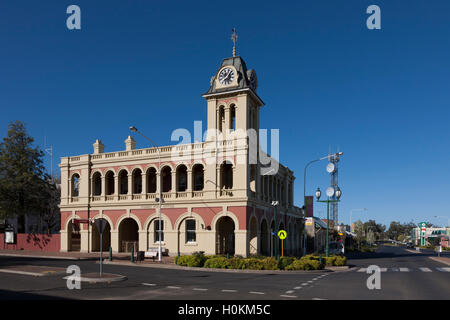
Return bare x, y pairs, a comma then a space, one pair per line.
24, 185
359, 230
49, 210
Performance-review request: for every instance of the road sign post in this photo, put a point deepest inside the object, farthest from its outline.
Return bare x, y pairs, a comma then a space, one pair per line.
282, 235
101, 223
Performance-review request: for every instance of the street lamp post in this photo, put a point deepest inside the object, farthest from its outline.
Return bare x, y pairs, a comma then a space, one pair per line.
304, 188
338, 194
134, 129
275, 204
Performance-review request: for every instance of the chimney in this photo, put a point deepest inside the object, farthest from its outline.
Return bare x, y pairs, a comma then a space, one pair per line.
99, 147
130, 143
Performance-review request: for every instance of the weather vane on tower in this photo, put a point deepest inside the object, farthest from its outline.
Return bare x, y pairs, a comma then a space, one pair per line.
234, 38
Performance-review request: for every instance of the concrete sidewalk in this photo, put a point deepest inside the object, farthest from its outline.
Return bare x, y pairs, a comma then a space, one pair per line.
61, 255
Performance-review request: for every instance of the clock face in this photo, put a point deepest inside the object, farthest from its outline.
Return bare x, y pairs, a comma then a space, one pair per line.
226, 76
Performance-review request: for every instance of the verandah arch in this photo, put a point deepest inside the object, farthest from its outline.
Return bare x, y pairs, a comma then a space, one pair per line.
225, 238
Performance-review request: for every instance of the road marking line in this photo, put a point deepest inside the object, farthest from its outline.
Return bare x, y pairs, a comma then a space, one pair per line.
362, 270
383, 269
395, 269
149, 284
310, 281
444, 269
318, 299
172, 287
404, 270
256, 292
199, 289
286, 296
305, 284
290, 291
425, 269
296, 288
225, 290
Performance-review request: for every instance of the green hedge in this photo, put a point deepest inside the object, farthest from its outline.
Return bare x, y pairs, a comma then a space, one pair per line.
217, 263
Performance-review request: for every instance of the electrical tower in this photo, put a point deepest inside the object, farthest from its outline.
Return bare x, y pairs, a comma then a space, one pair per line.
334, 159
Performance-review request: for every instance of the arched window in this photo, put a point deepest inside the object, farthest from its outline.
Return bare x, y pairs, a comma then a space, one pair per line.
198, 177
123, 182
151, 180
109, 183
75, 185
226, 170
221, 118
181, 178
166, 176
137, 181
97, 184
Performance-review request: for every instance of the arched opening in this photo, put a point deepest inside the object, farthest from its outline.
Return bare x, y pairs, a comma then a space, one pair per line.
109, 183
137, 181
73, 237
226, 170
128, 235
151, 180
221, 123
225, 236
264, 242
75, 184
233, 117
181, 178
198, 177
97, 184
166, 175
106, 238
253, 237
123, 182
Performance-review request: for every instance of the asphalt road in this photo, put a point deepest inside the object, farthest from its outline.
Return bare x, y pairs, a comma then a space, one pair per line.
404, 275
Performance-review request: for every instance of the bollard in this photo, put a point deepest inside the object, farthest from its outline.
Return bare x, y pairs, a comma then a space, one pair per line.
110, 254
132, 255
228, 256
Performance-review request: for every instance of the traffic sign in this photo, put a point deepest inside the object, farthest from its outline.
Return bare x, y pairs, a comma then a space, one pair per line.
282, 234
101, 224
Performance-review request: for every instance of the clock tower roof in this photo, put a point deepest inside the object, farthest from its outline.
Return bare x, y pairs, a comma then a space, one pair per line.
244, 78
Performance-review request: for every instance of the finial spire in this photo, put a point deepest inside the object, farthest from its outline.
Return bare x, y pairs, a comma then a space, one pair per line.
234, 38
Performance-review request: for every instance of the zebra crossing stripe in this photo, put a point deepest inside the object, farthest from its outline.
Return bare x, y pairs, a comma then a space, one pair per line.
444, 269
404, 270
425, 269
395, 269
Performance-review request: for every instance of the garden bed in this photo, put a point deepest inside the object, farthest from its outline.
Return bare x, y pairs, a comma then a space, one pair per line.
308, 262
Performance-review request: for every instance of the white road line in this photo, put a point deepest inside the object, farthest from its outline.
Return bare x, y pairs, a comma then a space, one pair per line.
310, 281
149, 284
225, 290
444, 269
395, 269
286, 296
172, 287
404, 270
305, 284
383, 269
318, 299
290, 291
199, 289
296, 288
256, 292
425, 269
362, 270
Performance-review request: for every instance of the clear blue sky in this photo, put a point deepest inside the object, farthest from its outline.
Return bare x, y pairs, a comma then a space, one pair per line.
381, 96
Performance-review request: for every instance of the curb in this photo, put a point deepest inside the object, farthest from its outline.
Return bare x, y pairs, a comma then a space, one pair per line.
35, 274
41, 257
99, 280
175, 267
437, 259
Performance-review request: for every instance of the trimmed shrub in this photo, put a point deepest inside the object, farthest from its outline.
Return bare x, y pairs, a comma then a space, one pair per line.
221, 263
330, 261
196, 260
253, 264
285, 261
340, 261
270, 263
236, 263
